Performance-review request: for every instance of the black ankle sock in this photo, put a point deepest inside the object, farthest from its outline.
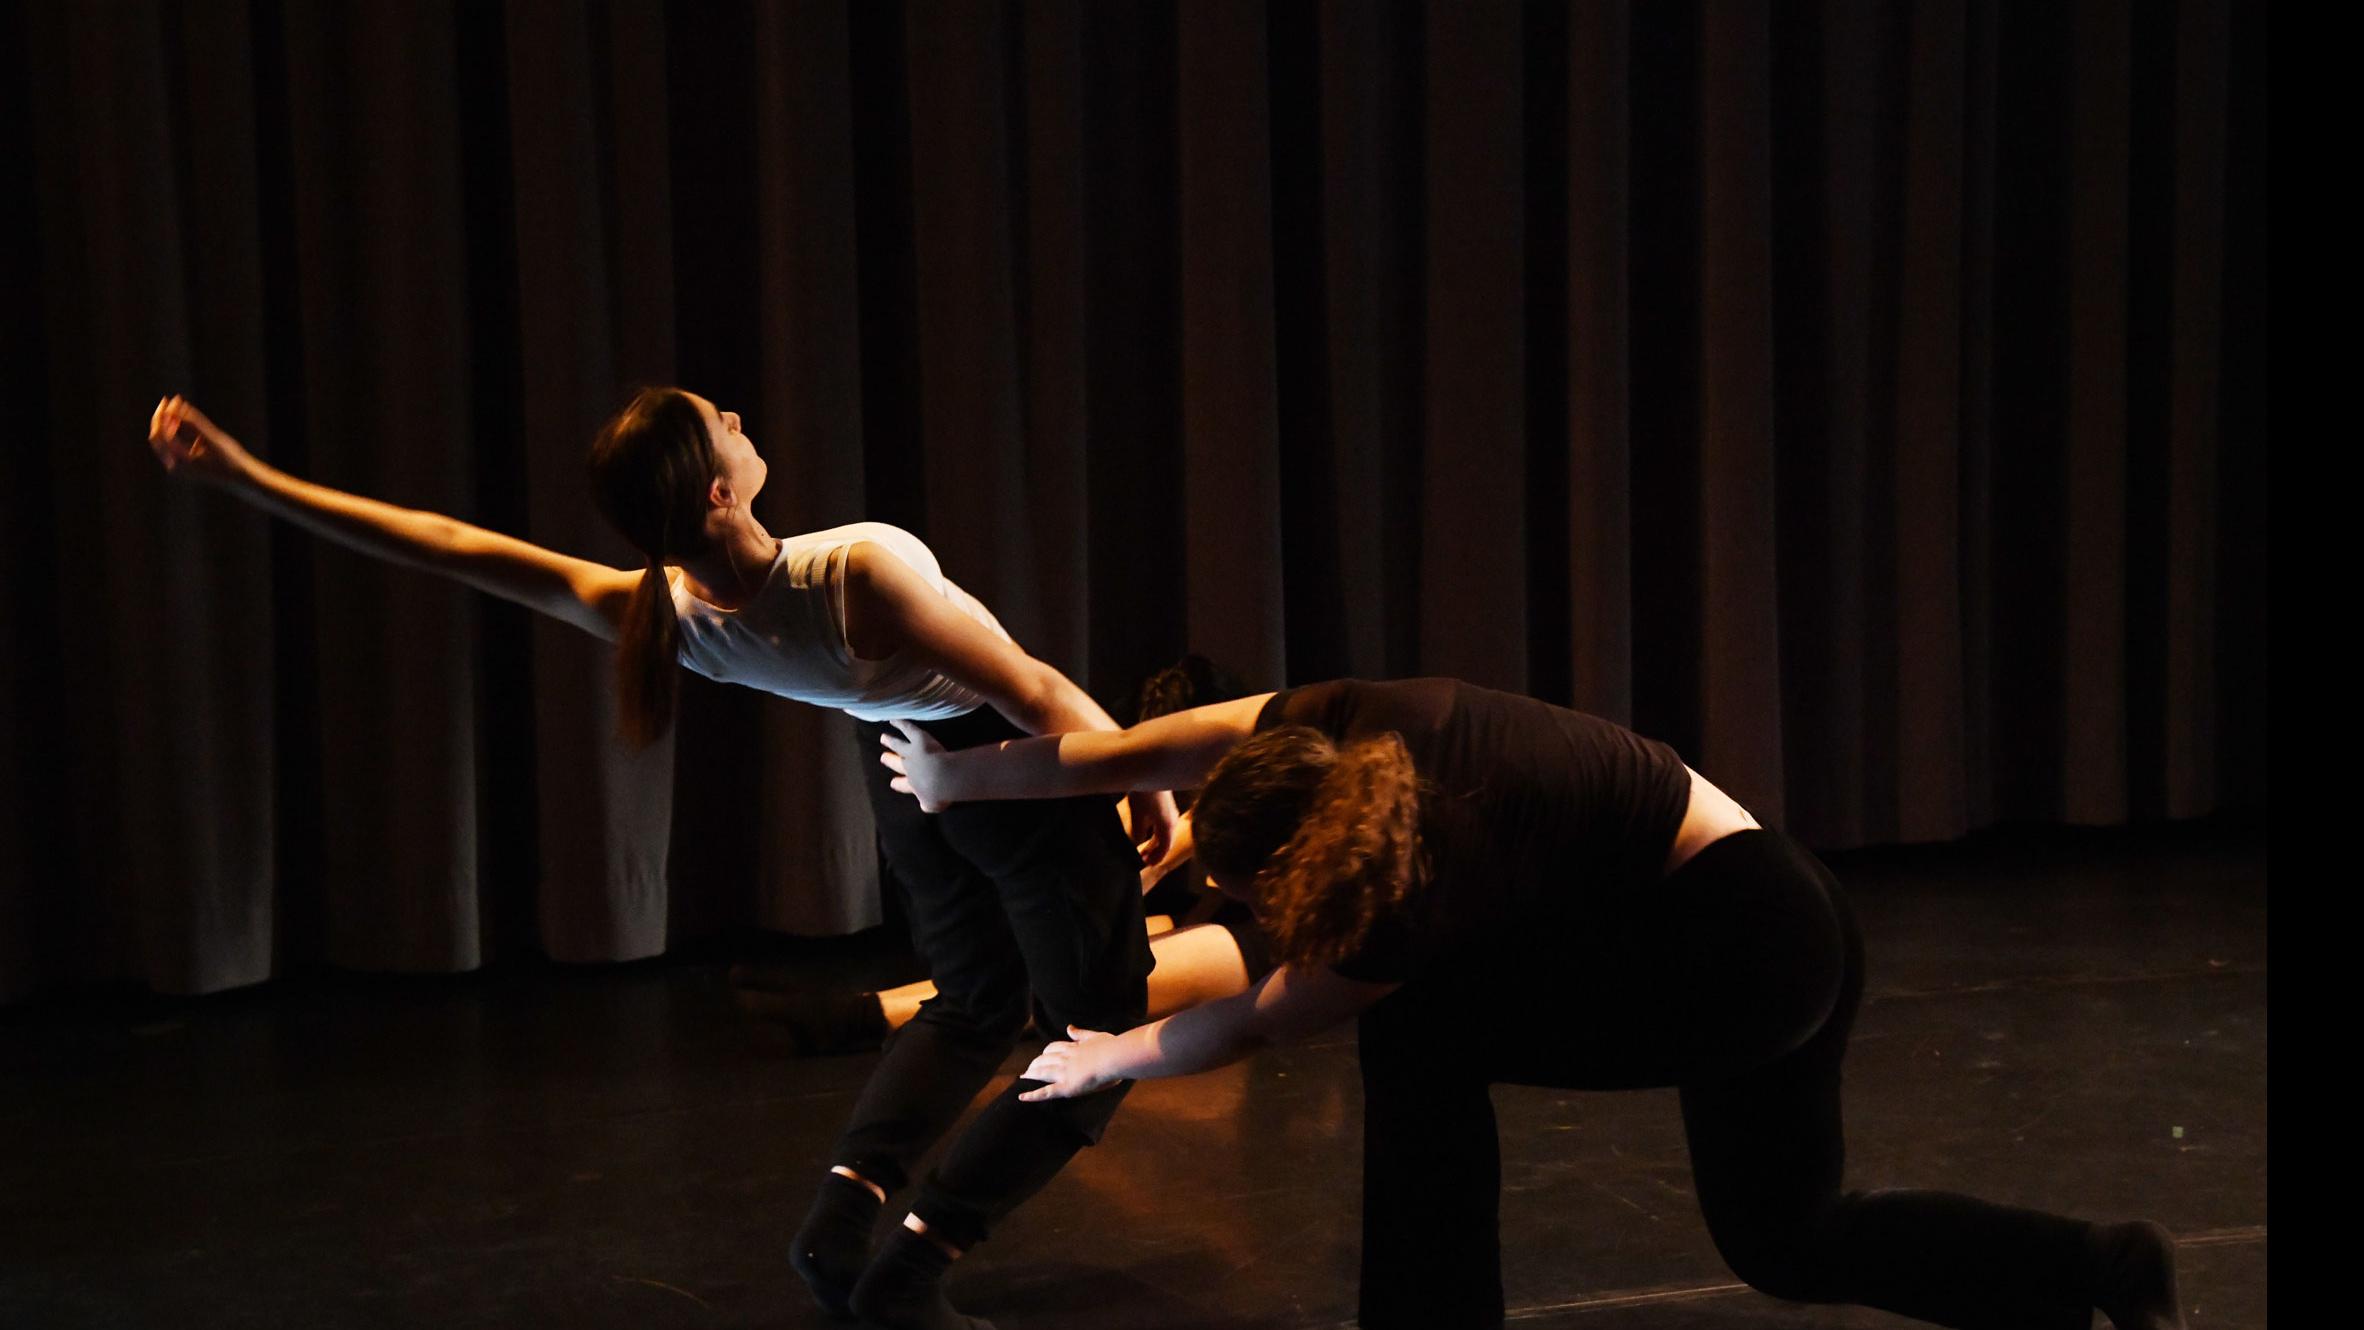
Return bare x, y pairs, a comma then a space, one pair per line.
2134, 1276
834, 1245
900, 1290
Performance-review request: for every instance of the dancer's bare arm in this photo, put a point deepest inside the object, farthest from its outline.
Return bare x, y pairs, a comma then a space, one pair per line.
1289, 1004
589, 595
892, 608
1172, 752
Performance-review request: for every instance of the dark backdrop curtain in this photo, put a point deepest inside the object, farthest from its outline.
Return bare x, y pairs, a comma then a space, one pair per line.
1868, 398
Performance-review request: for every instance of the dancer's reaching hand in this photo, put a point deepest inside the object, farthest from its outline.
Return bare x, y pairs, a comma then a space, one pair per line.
1070, 1068
918, 763
1179, 851
185, 441
1152, 823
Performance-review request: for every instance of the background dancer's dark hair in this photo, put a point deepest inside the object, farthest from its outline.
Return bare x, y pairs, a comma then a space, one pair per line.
1329, 836
1193, 681
650, 469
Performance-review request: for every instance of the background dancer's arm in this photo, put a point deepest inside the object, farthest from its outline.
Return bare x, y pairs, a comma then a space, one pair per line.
1291, 1003
589, 595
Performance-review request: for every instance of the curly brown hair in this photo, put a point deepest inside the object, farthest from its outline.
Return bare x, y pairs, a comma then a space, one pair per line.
1330, 836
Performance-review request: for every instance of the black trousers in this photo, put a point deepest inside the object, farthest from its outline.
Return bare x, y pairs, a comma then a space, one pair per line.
1039, 897
1736, 979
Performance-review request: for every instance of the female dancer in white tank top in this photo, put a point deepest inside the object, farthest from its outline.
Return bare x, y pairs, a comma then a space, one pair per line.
1006, 899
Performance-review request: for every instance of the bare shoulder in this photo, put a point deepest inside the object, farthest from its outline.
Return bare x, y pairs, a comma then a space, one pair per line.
878, 571
882, 596
893, 605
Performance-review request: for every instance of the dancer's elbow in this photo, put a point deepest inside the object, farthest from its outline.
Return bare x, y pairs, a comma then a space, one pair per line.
1035, 699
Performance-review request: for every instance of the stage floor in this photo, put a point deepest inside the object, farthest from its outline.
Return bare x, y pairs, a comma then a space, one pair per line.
2074, 1022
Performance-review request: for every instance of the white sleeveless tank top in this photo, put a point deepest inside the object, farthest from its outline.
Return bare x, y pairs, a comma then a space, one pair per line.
789, 639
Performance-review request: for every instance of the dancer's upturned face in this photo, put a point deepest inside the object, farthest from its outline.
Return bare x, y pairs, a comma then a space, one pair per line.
735, 458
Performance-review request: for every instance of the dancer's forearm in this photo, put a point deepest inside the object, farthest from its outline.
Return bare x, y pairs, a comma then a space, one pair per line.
1057, 765
1171, 752
591, 596
577, 591
1201, 1038
411, 537
1288, 1004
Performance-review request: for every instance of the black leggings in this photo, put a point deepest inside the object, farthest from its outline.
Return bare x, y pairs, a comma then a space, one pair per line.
1040, 896
1736, 979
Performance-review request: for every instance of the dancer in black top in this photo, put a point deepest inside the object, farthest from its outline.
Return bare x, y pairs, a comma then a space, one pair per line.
1506, 891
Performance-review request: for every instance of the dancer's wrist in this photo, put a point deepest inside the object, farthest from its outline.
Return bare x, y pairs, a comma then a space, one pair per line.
956, 778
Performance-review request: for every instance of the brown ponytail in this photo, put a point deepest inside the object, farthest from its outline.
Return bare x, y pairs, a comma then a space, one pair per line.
1329, 835
650, 468
645, 653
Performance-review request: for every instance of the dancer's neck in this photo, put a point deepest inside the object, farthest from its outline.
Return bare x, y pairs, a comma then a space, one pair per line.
729, 574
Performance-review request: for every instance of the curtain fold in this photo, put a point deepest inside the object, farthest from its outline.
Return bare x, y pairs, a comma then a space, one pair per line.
1867, 399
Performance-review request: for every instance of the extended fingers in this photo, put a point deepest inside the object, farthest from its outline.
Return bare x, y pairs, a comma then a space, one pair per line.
163, 435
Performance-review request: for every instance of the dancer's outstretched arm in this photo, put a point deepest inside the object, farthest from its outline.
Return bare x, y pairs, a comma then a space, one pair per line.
1290, 1003
589, 595
892, 609
1172, 752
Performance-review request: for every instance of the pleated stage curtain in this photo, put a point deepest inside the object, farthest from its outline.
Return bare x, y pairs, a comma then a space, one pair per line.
1868, 398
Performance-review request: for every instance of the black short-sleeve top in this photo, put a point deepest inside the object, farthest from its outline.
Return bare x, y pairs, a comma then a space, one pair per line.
1531, 815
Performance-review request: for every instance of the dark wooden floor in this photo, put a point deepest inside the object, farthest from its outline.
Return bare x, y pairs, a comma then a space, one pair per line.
2071, 1022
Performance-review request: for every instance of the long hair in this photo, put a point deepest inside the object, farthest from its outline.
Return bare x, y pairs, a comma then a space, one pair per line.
1329, 836
650, 469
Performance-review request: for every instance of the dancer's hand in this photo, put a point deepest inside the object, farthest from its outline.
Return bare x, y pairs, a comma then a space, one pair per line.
1152, 823
918, 763
1179, 851
185, 441
1071, 1068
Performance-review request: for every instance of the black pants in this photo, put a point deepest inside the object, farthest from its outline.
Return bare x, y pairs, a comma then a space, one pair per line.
1040, 896
1736, 979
